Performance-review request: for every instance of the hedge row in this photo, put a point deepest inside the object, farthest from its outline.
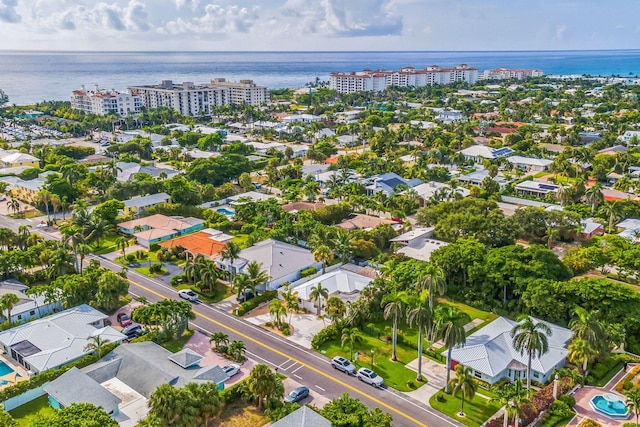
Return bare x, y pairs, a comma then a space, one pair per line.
247, 306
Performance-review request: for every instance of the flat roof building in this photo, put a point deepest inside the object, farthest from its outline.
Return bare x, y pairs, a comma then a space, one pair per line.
104, 102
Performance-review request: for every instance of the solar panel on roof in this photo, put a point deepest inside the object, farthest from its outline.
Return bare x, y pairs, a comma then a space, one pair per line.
547, 187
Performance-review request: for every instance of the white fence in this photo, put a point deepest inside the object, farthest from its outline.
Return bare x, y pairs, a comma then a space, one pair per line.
25, 397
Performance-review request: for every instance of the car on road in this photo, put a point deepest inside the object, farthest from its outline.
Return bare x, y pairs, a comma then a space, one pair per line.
368, 376
342, 364
124, 319
188, 294
297, 395
231, 369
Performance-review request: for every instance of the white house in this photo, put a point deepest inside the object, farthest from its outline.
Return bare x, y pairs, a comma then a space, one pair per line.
530, 163
282, 262
536, 188
492, 356
418, 243
58, 339
301, 118
427, 190
629, 135
477, 153
30, 306
341, 282
449, 116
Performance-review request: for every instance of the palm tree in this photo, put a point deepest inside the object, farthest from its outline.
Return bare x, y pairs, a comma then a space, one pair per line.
237, 350
433, 281
122, 243
586, 325
7, 302
209, 275
277, 311
581, 352
351, 336
323, 254
290, 298
210, 404
335, 308
594, 196
164, 405
241, 283
257, 276
420, 314
230, 252
449, 327
317, 293
463, 384
342, 246
512, 396
14, 205
219, 339
97, 345
82, 251
633, 402
612, 210
97, 229
532, 338
552, 234
262, 382
394, 307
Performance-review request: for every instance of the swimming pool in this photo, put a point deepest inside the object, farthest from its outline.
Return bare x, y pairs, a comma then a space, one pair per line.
226, 212
5, 369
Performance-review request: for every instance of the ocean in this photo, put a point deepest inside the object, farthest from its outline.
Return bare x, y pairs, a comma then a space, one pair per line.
29, 77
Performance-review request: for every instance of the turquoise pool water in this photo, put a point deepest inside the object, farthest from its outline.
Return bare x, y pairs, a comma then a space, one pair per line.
5, 369
610, 408
226, 212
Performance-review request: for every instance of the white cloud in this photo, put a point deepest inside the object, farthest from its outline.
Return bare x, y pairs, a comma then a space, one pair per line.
341, 18
216, 20
8, 11
560, 31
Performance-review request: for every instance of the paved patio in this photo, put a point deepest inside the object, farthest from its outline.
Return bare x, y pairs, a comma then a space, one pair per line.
436, 375
584, 409
305, 326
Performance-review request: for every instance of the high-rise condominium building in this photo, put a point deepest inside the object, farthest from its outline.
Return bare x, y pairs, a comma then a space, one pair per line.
507, 73
380, 79
199, 99
104, 102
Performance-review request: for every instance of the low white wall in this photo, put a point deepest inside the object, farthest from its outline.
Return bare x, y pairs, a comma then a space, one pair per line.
25, 397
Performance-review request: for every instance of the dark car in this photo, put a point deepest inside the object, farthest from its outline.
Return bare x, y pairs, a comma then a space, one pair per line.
246, 296
297, 395
133, 330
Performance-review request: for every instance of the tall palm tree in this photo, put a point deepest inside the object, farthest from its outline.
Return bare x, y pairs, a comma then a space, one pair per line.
277, 311
351, 336
164, 404
532, 338
335, 308
317, 293
257, 276
633, 402
122, 243
97, 229
587, 326
594, 196
96, 345
581, 352
14, 205
290, 298
82, 251
262, 382
209, 275
419, 314
342, 246
512, 396
230, 252
449, 327
323, 254
464, 384
394, 308
241, 283
552, 234
7, 302
210, 402
612, 210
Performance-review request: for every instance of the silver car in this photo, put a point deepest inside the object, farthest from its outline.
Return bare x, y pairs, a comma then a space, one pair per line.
368, 376
342, 364
188, 294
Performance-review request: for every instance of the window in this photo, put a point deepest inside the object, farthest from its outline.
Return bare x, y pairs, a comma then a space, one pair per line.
477, 374
32, 313
536, 375
19, 316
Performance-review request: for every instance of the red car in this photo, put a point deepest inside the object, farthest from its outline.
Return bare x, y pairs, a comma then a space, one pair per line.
123, 319
396, 219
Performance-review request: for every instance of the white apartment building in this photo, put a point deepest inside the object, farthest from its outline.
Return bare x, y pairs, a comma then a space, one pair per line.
409, 76
199, 99
103, 102
506, 74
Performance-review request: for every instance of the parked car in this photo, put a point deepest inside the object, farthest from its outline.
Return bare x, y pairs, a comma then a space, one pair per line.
231, 369
297, 394
124, 319
188, 294
342, 364
368, 376
132, 330
246, 296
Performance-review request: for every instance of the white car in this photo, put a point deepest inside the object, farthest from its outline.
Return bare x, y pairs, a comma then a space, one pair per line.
370, 377
231, 369
343, 365
188, 294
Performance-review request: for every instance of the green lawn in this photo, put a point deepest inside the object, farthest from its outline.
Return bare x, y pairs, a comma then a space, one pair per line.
240, 239
153, 257
555, 421
26, 414
220, 292
145, 271
107, 245
477, 411
395, 374
175, 346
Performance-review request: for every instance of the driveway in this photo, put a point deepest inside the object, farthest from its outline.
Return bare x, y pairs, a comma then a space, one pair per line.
436, 375
305, 326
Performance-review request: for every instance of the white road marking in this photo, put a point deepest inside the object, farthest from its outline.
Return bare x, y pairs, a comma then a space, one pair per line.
320, 387
297, 369
297, 376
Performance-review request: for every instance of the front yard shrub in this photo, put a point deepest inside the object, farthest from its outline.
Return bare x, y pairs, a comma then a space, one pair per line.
329, 333
561, 409
178, 279
130, 257
154, 247
568, 399
247, 306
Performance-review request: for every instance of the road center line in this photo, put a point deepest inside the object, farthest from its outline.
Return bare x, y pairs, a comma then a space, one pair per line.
320, 387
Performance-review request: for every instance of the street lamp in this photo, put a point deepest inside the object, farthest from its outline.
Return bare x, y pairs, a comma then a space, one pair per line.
372, 355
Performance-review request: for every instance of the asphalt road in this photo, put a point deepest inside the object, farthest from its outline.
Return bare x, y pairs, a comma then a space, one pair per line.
299, 363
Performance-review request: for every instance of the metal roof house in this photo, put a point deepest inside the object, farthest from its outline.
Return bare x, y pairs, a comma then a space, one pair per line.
388, 182
303, 417
492, 356
123, 380
58, 339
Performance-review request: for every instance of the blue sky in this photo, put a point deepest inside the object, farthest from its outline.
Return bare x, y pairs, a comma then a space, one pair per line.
319, 24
